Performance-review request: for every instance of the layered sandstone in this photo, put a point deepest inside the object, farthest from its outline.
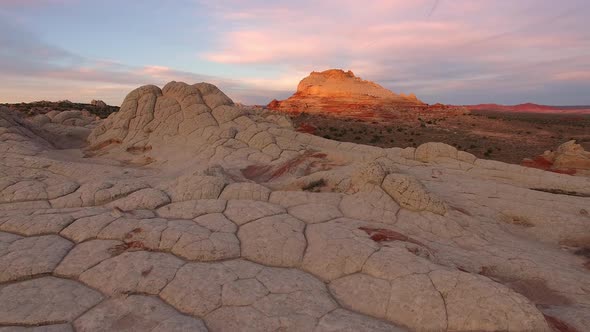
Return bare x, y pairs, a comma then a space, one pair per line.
569, 158
185, 212
338, 92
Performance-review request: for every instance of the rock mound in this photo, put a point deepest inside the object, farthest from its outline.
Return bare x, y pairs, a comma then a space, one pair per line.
238, 222
98, 103
339, 92
568, 158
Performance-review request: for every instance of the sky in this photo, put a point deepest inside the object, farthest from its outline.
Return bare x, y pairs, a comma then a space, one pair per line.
448, 51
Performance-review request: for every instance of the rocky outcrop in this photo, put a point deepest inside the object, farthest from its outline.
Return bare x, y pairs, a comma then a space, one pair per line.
341, 93
186, 212
569, 158
98, 103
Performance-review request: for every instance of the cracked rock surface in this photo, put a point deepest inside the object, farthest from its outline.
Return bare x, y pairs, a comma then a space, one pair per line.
185, 212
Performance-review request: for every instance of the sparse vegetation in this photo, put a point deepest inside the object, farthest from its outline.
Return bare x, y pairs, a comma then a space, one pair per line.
506, 135
314, 186
42, 107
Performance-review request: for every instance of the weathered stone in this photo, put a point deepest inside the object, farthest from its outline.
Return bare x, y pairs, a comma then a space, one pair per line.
244, 211
26, 257
276, 240
346, 321
44, 300
336, 248
315, 213
411, 194
197, 287
136, 312
86, 255
133, 272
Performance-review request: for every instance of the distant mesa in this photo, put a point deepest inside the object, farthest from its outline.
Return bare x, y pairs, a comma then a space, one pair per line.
340, 92
530, 108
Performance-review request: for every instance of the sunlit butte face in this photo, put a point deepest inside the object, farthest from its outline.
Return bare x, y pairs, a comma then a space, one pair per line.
449, 51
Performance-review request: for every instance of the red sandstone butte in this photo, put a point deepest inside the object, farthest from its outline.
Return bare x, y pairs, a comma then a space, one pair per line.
341, 93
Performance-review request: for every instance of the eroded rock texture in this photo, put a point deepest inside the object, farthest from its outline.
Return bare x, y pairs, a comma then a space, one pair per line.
185, 212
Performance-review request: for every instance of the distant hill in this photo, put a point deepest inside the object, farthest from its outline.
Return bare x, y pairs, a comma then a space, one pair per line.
96, 107
530, 108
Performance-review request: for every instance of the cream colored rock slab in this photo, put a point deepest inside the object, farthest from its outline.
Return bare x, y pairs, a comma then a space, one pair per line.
242, 268
148, 198
246, 318
212, 96
216, 222
139, 271
197, 288
363, 293
415, 303
87, 227
285, 281
293, 198
136, 313
466, 157
246, 191
115, 190
275, 240
477, 303
86, 255
341, 320
314, 213
245, 211
194, 242
242, 292
374, 205
368, 173
36, 224
429, 151
44, 328
300, 310
411, 194
144, 231
27, 257
195, 187
192, 209
390, 263
44, 300
337, 248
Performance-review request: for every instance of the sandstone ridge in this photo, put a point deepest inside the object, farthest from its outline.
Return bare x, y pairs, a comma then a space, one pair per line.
337, 91
186, 212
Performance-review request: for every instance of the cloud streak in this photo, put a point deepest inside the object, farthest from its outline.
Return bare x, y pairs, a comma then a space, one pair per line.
402, 44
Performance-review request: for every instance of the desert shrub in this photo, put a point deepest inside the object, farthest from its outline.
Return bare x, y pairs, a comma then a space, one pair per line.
583, 252
375, 139
314, 186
